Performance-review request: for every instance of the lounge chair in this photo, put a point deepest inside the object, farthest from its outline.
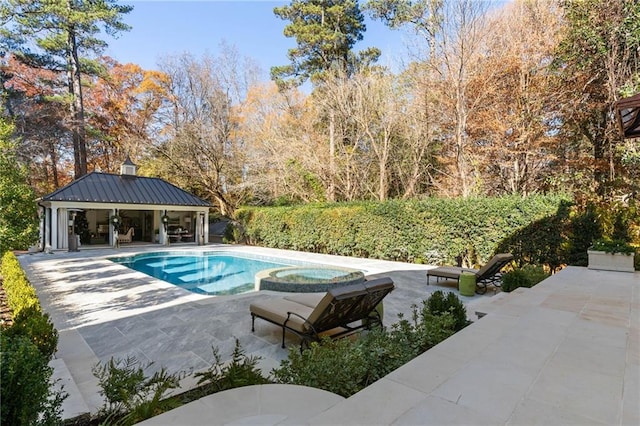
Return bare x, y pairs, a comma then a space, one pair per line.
488, 274
339, 312
126, 238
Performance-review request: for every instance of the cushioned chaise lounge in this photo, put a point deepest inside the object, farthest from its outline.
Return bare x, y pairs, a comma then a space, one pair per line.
338, 312
488, 274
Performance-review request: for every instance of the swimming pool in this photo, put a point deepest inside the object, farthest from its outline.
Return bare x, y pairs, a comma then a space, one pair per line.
212, 273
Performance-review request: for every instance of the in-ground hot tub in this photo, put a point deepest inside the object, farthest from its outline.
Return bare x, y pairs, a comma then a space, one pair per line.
307, 279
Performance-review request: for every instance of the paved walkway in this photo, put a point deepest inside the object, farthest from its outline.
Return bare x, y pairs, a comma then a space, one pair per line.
564, 352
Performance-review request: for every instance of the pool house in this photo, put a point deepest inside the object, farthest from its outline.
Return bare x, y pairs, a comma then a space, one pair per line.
120, 209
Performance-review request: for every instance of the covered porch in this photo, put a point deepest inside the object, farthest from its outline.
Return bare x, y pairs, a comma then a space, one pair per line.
102, 225
110, 209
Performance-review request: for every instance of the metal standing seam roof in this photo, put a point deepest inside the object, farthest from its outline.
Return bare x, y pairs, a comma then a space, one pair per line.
124, 189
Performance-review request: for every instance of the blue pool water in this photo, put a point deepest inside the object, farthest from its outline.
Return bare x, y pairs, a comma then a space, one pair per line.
202, 273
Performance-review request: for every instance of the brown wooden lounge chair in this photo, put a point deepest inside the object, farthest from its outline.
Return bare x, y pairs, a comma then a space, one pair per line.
340, 311
488, 274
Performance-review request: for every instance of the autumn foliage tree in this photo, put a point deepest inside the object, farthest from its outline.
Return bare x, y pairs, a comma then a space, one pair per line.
122, 106
60, 36
599, 60
498, 98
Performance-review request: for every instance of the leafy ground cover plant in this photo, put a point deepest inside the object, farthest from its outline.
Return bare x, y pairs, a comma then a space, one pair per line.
346, 366
527, 276
131, 396
612, 246
242, 370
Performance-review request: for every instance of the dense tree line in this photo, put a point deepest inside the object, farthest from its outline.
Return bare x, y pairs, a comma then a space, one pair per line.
501, 98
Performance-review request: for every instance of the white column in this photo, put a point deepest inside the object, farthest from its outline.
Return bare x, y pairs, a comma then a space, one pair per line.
46, 238
206, 227
112, 234
53, 226
63, 229
164, 237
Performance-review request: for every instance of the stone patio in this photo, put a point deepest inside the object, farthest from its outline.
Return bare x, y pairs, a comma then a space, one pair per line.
565, 352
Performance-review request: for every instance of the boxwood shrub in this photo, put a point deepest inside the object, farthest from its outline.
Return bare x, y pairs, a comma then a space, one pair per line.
26, 346
27, 396
20, 292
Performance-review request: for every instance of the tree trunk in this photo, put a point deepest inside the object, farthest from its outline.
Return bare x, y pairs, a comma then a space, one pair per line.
461, 124
54, 163
76, 106
331, 192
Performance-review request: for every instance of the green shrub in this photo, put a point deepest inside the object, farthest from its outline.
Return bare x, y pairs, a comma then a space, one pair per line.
338, 366
131, 396
608, 245
439, 303
18, 208
431, 230
527, 276
240, 371
405, 340
584, 227
368, 358
37, 327
20, 293
27, 397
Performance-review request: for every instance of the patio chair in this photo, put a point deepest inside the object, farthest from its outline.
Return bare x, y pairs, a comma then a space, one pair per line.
126, 238
339, 312
488, 274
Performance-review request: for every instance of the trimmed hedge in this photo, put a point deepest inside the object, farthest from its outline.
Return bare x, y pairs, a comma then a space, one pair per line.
549, 230
432, 230
27, 398
27, 347
20, 293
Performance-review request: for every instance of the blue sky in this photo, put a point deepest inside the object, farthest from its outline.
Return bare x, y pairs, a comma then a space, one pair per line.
161, 28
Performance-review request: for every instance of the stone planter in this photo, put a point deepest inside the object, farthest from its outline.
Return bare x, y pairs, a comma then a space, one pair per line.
610, 262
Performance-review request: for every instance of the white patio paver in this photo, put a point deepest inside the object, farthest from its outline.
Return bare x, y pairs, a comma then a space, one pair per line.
564, 352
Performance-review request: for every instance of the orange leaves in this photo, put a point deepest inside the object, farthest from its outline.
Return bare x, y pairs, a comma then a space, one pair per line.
32, 82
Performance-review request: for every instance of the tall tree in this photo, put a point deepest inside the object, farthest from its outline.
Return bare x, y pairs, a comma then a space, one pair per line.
516, 125
599, 58
18, 216
60, 35
201, 148
454, 32
42, 137
326, 32
122, 106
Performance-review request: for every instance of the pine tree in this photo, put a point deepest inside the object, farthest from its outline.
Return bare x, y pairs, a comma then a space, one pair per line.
326, 32
60, 35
